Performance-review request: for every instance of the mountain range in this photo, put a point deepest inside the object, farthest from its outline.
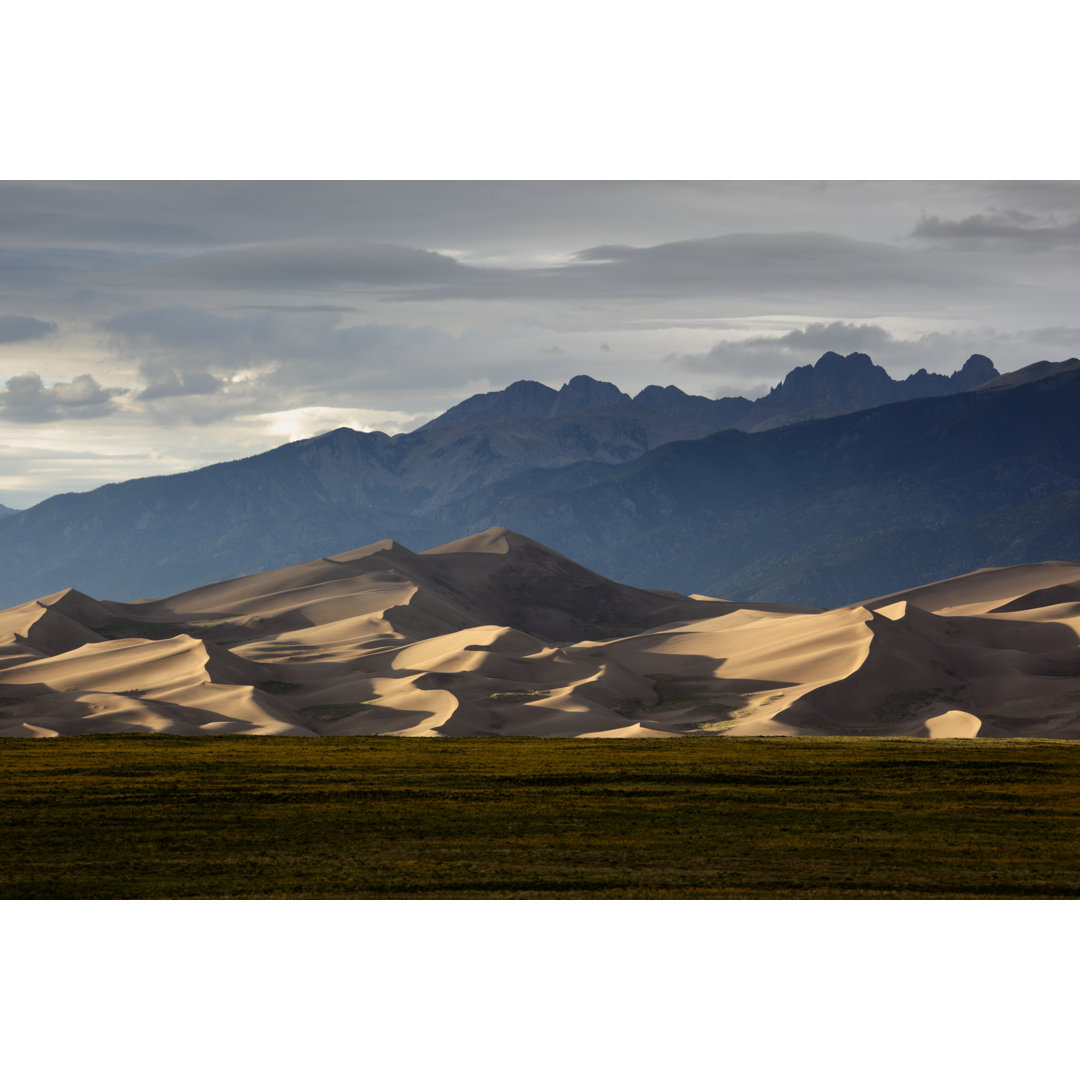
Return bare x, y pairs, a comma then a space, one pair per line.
817, 512
835, 384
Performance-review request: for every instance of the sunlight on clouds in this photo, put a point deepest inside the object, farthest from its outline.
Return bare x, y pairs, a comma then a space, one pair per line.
295, 424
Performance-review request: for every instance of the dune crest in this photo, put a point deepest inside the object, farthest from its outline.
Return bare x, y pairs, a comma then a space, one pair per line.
495, 634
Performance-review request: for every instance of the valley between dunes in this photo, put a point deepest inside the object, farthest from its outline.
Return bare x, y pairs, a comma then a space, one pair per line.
496, 634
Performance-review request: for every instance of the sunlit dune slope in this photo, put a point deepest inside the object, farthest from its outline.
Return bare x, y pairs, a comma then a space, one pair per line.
497, 634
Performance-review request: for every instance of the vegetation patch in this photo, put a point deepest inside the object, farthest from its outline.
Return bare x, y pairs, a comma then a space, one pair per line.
136, 816
904, 703
511, 697
676, 690
278, 686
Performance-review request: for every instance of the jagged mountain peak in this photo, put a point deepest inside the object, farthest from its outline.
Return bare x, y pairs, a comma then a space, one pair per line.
583, 393
980, 367
833, 361
525, 398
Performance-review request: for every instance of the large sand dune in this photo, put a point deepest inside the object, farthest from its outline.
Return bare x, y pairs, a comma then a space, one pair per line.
496, 634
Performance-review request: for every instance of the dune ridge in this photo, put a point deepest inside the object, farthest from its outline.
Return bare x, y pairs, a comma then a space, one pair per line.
496, 634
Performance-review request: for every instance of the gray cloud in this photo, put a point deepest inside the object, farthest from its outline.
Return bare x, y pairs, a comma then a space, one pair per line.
48, 267
191, 331
737, 269
27, 400
313, 264
1009, 228
164, 381
275, 359
23, 328
1064, 337
95, 214
503, 215
303, 308
198, 338
839, 336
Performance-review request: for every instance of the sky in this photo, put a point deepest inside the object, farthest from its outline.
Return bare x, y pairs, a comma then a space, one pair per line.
252, 268
154, 326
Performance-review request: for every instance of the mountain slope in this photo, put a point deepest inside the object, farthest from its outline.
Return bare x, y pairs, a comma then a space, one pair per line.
160, 534
713, 510
533, 400
834, 572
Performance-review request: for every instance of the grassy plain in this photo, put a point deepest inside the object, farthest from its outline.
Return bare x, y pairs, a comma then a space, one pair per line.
147, 816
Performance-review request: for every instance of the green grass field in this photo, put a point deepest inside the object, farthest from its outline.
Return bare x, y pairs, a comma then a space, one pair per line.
145, 816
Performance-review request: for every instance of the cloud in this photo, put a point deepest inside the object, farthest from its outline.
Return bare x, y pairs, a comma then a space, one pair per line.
839, 336
1064, 337
213, 366
88, 213
22, 328
30, 268
302, 264
195, 339
294, 307
188, 330
734, 271
1009, 228
164, 381
27, 400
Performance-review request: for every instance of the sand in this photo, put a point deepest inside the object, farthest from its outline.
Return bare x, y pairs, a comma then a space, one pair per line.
496, 634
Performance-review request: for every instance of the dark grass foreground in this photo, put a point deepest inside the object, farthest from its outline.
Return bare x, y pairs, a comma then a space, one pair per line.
157, 816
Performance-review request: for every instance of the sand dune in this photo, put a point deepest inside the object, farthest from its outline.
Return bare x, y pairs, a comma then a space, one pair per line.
495, 634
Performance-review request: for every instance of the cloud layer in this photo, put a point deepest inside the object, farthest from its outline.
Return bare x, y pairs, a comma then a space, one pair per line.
1010, 229
201, 320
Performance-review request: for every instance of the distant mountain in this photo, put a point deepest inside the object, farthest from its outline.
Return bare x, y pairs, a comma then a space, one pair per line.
5, 510
298, 501
834, 385
717, 413
841, 384
883, 498
881, 559
523, 399
532, 400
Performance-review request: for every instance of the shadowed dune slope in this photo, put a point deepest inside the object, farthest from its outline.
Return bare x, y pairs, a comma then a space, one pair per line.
497, 634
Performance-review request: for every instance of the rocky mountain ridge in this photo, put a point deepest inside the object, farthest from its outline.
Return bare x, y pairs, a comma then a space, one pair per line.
834, 384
